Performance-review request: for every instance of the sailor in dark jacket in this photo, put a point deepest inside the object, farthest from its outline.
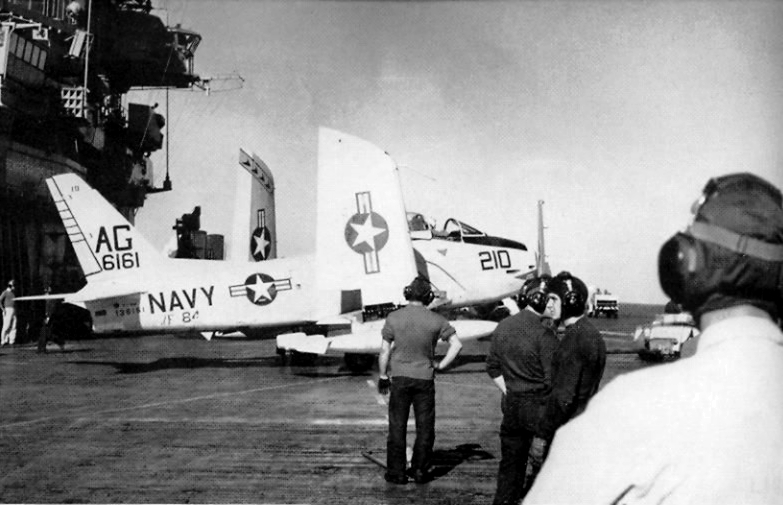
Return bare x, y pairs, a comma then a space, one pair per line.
520, 364
577, 367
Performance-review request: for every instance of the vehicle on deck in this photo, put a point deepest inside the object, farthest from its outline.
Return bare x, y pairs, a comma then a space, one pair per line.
602, 302
664, 337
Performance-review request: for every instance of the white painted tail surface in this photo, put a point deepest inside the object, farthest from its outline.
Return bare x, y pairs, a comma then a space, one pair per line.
362, 239
254, 233
106, 244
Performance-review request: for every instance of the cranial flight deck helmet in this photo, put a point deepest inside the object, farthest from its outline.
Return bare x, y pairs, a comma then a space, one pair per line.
732, 253
419, 290
573, 294
535, 293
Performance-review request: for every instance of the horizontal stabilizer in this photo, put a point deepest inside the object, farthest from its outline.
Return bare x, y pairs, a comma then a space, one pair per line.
334, 321
60, 296
365, 338
100, 290
301, 342
472, 329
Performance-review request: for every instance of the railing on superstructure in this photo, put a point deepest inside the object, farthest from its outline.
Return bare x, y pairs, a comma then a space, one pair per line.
54, 9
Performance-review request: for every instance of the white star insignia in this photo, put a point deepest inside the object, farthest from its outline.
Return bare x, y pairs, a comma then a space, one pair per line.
261, 243
366, 232
261, 289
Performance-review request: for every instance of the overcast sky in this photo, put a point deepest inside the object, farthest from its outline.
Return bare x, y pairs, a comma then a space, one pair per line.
614, 113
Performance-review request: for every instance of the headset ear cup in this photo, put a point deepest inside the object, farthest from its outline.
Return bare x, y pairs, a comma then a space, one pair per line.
693, 255
681, 258
420, 290
538, 301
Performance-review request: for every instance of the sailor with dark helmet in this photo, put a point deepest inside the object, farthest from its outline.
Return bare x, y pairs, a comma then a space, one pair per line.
520, 364
577, 366
408, 352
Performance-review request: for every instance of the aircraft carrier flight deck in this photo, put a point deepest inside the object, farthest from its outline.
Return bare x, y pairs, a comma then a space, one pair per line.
168, 419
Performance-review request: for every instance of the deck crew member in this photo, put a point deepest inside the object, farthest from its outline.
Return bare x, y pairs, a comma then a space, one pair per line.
9, 315
520, 364
577, 367
706, 429
408, 349
47, 329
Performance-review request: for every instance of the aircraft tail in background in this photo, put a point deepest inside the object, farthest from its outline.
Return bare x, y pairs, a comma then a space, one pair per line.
254, 235
105, 243
542, 266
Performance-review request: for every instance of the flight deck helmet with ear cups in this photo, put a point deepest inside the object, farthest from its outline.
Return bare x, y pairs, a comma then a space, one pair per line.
419, 290
573, 294
732, 253
535, 293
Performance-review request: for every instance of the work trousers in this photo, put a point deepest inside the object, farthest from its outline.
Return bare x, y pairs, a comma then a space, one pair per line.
420, 393
9, 327
521, 414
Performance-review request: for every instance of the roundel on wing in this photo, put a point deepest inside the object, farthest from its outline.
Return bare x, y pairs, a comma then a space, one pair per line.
260, 243
260, 289
367, 232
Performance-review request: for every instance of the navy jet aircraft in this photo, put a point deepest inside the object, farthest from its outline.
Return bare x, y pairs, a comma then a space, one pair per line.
363, 260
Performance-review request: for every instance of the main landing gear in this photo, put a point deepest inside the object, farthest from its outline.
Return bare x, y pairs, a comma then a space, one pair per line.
358, 363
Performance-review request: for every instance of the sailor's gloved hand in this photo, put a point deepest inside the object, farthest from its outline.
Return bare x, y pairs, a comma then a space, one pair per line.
537, 451
383, 385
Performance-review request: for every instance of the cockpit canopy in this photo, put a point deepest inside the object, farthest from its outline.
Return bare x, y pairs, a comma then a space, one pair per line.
452, 228
455, 230
463, 229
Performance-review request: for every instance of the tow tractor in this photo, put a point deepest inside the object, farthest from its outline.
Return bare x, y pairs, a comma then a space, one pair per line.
602, 302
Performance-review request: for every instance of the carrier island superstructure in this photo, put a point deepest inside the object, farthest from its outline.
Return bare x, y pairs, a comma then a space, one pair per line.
66, 68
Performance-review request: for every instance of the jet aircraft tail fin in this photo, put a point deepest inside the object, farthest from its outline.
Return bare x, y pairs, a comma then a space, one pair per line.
362, 239
105, 243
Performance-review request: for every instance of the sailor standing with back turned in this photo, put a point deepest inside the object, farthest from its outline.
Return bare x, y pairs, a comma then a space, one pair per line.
409, 338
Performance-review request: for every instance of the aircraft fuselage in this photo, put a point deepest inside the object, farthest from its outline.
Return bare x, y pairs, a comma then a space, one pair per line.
174, 299
472, 273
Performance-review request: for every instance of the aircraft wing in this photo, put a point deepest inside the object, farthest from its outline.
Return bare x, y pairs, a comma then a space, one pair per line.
365, 338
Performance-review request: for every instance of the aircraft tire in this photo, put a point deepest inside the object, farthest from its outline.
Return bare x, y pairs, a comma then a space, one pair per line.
297, 358
358, 363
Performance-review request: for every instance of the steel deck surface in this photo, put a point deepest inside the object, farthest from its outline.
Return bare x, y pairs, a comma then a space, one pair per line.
167, 419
